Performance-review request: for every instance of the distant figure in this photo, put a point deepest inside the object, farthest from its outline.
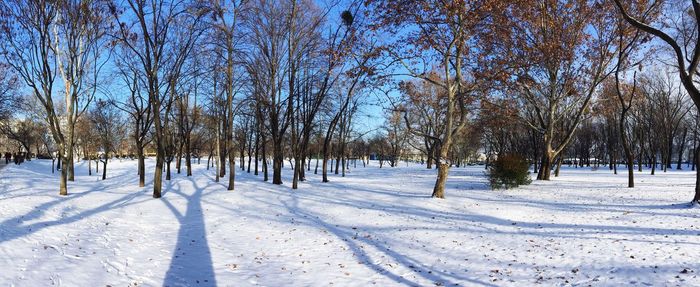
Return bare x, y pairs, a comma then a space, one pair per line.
21, 157
8, 157
16, 158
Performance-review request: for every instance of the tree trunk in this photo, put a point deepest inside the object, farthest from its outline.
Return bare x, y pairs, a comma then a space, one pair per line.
63, 187
142, 165
628, 151
257, 149
337, 163
264, 160
559, 161
71, 166
326, 155
439, 189
429, 162
295, 177
316, 168
188, 156
158, 175
167, 172
277, 159
104, 168
232, 170
696, 198
344, 166
250, 155
178, 164
242, 159
545, 166
681, 148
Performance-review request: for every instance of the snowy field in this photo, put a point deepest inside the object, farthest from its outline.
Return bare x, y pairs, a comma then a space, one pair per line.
374, 227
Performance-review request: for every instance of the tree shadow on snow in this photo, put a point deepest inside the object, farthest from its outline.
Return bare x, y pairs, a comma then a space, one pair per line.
191, 263
13, 228
354, 242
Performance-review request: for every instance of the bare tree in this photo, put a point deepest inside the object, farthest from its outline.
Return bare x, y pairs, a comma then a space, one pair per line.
226, 15
137, 107
8, 87
160, 34
109, 129
43, 38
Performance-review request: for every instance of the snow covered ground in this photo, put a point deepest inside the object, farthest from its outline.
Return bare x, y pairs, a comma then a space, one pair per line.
373, 227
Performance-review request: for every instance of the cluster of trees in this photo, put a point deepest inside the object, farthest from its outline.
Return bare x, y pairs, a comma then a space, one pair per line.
258, 82
525, 77
660, 130
228, 79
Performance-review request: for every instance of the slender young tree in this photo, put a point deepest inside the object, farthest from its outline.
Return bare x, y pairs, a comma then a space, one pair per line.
226, 17
109, 129
136, 105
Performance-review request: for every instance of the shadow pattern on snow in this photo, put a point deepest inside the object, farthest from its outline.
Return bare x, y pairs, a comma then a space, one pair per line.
191, 263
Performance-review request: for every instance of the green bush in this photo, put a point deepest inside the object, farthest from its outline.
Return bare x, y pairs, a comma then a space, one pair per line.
509, 171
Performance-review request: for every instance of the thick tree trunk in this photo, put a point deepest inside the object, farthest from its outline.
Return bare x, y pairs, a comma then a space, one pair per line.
681, 149
257, 168
545, 167
158, 175
104, 168
257, 149
344, 166
297, 170
167, 172
178, 164
232, 170
439, 189
222, 161
209, 160
316, 168
141, 165
429, 162
217, 163
277, 159
71, 166
63, 186
302, 167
